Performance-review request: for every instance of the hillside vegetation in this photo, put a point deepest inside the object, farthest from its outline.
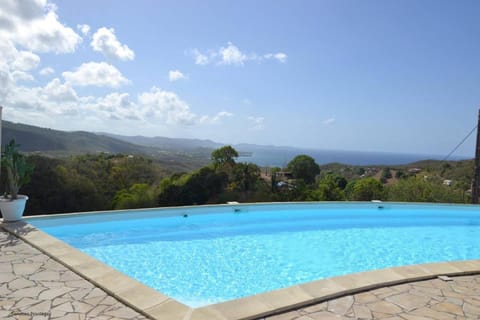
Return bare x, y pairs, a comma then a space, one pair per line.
81, 171
62, 144
86, 182
105, 181
423, 181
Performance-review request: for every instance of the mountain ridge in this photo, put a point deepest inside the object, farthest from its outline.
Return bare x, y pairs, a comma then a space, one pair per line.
49, 140
58, 143
166, 142
184, 153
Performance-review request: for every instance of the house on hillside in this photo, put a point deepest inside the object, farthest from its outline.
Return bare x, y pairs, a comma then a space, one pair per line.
284, 175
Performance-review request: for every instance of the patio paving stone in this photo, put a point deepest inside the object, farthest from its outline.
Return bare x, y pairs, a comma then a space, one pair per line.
433, 299
33, 286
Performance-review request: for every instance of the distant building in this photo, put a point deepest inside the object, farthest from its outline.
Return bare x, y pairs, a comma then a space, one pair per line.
414, 170
447, 182
284, 175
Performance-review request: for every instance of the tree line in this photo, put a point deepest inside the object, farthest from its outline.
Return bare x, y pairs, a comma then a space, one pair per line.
105, 182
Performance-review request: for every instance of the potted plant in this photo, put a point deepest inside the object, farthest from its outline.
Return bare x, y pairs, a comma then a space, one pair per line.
18, 172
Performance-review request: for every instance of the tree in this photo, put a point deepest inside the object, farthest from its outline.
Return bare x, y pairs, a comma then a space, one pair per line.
304, 167
420, 190
366, 189
202, 185
45, 188
169, 193
139, 195
386, 173
245, 176
400, 174
341, 182
224, 156
329, 189
79, 193
191, 189
445, 167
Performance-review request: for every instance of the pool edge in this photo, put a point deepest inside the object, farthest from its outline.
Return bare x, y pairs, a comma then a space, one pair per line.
155, 305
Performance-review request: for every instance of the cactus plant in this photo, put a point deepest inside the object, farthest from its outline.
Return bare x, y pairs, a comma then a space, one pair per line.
17, 168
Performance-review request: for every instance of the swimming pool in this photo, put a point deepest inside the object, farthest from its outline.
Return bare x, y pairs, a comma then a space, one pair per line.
205, 255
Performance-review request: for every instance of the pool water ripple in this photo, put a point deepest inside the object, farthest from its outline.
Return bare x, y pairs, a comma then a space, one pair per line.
209, 258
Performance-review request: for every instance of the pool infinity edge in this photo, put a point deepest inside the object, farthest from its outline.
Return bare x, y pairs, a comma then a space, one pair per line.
156, 305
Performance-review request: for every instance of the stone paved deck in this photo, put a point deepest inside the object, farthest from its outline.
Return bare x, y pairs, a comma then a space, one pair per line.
33, 286
424, 300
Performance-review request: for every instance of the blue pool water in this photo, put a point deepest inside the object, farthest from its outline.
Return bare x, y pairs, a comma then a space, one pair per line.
218, 253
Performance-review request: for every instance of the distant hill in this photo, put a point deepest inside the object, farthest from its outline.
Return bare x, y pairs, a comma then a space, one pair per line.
36, 139
168, 143
62, 143
185, 154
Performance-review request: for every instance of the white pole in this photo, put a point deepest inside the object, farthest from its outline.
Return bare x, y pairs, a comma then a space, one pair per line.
1, 108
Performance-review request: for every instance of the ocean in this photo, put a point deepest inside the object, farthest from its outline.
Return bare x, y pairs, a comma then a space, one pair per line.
279, 157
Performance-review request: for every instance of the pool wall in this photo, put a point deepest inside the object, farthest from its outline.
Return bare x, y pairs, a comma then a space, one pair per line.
156, 305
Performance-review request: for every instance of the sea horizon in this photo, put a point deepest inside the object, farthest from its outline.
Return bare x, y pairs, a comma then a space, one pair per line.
279, 157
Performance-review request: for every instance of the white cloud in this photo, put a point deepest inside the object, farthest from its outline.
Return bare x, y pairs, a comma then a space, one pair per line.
15, 64
118, 106
58, 102
174, 75
21, 76
26, 60
100, 74
8, 54
224, 114
166, 106
329, 121
57, 91
83, 28
216, 118
258, 122
14, 59
6, 84
55, 98
280, 56
23, 98
48, 35
200, 58
105, 41
46, 71
34, 25
232, 55
25, 10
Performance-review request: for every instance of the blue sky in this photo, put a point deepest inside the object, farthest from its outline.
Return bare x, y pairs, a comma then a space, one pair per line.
394, 76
